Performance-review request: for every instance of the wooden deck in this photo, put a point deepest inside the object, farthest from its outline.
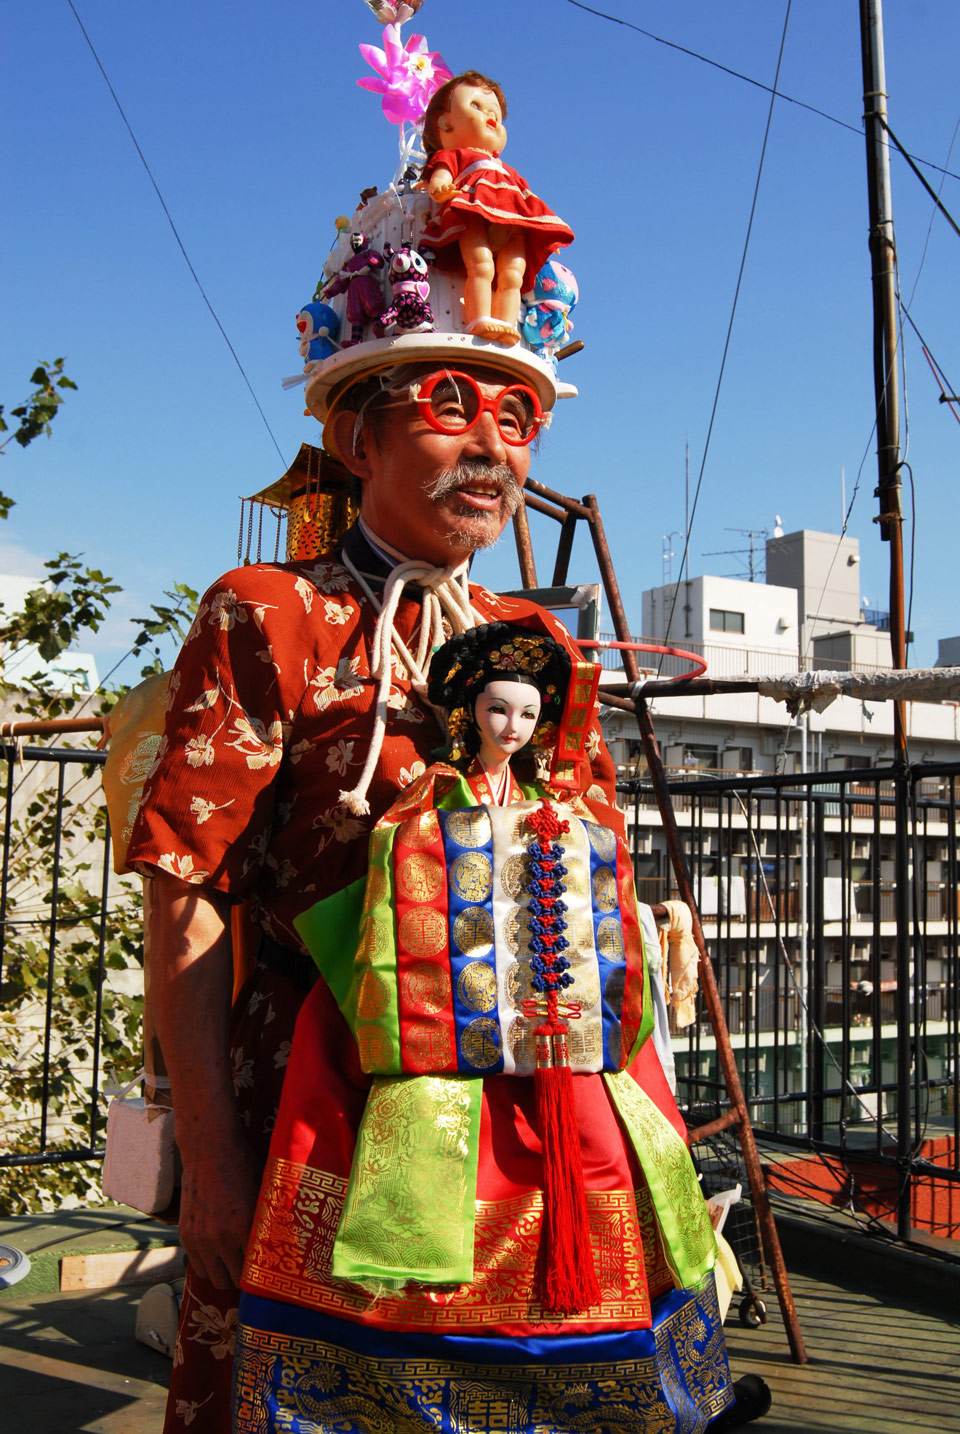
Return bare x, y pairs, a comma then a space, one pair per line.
882, 1333
883, 1348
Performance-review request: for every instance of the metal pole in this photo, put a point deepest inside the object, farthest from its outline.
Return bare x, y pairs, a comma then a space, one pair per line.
521, 532
883, 254
803, 1032
885, 338
738, 1114
725, 1056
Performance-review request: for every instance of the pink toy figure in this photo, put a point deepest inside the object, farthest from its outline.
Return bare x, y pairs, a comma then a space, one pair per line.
356, 279
489, 223
409, 311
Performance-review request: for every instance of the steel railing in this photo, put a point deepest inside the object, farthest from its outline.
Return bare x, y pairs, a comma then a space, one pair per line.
56, 926
846, 1027
847, 1038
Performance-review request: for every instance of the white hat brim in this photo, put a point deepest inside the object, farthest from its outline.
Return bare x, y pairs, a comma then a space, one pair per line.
333, 375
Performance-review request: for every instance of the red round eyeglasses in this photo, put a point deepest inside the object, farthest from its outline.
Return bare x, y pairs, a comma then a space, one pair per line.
452, 402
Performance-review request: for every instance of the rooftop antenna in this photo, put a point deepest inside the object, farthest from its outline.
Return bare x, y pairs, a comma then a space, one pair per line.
685, 566
669, 555
754, 564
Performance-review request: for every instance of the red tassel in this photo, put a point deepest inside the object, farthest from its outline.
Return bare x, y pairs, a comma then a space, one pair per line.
568, 1278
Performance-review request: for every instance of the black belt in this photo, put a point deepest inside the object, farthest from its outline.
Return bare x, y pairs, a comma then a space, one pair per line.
297, 968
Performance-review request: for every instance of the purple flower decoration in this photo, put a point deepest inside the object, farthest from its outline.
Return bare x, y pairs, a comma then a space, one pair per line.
407, 75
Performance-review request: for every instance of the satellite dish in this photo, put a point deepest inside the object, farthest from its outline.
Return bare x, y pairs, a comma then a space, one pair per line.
778, 526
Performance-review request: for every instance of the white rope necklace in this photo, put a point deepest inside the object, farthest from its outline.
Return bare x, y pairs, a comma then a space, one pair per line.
445, 591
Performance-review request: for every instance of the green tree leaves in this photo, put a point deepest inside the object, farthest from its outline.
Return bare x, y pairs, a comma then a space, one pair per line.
40, 409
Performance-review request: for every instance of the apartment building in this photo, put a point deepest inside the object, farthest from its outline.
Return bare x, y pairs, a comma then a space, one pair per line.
794, 874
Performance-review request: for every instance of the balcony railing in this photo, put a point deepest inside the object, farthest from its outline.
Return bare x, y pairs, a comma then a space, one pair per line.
842, 1002
845, 1035
728, 660
70, 951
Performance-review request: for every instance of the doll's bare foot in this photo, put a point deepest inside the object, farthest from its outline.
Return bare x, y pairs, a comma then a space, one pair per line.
496, 330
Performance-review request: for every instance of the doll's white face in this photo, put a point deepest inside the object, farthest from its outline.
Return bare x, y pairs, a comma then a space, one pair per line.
473, 121
506, 714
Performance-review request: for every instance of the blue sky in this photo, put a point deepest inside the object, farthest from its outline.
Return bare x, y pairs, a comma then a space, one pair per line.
258, 136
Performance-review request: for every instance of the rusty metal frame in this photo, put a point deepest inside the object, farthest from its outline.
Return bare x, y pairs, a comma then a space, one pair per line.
568, 512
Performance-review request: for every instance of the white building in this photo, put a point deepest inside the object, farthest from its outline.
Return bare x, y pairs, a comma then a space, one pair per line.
765, 881
807, 614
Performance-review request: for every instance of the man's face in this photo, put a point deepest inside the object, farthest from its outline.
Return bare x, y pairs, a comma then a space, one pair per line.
439, 496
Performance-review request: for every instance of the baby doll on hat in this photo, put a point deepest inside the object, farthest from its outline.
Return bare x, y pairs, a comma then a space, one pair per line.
489, 221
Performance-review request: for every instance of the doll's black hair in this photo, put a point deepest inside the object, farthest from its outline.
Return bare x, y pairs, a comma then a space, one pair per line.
496, 652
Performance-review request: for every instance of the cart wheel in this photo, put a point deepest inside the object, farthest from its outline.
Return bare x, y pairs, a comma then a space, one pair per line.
753, 1312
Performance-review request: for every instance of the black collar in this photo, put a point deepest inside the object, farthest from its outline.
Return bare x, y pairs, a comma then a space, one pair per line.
365, 558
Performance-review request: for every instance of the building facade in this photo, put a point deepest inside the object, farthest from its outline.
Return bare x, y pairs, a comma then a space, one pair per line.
790, 832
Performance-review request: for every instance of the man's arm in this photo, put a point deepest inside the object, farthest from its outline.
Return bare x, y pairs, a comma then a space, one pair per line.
190, 984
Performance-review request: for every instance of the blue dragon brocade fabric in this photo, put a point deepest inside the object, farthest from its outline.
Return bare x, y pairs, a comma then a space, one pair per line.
298, 1372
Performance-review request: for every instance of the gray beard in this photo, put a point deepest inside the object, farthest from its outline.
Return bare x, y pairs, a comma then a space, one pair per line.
480, 530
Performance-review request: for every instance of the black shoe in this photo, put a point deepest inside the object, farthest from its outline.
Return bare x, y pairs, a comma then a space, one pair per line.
753, 1399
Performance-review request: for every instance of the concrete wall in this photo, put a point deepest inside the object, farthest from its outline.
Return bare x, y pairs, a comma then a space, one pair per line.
825, 570
769, 613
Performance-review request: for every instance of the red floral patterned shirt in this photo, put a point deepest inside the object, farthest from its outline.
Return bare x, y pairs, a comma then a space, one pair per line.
269, 719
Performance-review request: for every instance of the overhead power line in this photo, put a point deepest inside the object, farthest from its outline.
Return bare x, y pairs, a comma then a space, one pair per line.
928, 187
747, 79
948, 394
176, 234
726, 347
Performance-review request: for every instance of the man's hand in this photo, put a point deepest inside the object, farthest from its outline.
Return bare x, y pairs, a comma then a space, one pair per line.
217, 1206
189, 985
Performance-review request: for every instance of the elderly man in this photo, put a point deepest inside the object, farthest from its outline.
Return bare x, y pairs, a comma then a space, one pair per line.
273, 717
297, 715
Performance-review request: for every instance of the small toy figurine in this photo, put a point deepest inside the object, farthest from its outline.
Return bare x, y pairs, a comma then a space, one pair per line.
490, 222
409, 312
318, 327
356, 279
546, 321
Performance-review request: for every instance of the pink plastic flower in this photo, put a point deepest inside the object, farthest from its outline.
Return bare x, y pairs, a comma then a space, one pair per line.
407, 75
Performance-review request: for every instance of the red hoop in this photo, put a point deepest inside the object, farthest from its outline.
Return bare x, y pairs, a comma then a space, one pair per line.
699, 663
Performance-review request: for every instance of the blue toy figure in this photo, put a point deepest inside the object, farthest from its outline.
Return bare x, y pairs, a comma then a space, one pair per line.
318, 327
546, 322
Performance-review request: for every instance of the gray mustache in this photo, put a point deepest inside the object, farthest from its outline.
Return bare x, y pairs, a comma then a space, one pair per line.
470, 469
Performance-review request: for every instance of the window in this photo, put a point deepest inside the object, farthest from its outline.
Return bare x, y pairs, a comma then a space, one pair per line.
721, 620
697, 754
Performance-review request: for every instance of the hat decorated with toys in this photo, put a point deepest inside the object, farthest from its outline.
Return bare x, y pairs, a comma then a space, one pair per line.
408, 278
